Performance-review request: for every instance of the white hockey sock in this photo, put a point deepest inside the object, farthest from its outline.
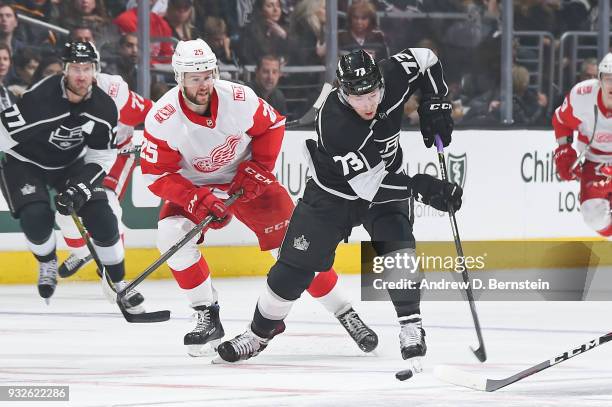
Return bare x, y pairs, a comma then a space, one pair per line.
272, 306
201, 294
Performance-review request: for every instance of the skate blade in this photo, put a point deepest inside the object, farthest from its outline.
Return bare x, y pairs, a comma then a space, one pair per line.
208, 349
414, 366
48, 301
218, 361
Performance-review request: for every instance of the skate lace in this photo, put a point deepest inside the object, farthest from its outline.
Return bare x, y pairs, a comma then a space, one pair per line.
411, 334
48, 273
203, 320
354, 325
245, 344
72, 262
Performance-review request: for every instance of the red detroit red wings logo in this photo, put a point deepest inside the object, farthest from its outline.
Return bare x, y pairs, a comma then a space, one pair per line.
219, 156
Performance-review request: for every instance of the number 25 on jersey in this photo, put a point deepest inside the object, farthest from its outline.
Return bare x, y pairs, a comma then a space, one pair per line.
148, 151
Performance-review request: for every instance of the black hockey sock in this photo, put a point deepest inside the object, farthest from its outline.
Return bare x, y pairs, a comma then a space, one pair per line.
262, 326
116, 271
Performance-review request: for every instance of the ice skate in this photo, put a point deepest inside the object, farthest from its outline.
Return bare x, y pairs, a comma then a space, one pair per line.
207, 334
243, 347
412, 343
132, 299
364, 337
47, 279
72, 264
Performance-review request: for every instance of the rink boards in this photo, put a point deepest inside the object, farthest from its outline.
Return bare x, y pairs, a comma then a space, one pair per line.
511, 193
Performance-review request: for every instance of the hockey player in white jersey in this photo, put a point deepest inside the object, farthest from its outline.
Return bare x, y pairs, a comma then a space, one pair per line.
132, 109
587, 109
206, 139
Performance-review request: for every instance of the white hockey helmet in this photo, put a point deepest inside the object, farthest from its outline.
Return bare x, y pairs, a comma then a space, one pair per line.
605, 66
193, 56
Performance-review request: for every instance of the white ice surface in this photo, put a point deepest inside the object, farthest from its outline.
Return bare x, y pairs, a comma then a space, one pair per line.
82, 341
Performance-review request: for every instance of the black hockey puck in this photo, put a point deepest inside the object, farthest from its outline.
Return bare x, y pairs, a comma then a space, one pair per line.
404, 374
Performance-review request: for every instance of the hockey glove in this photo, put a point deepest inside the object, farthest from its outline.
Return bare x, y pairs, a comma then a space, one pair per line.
75, 196
436, 193
203, 203
565, 157
435, 118
252, 178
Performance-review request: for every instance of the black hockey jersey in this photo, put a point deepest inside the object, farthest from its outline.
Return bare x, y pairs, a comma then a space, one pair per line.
44, 128
355, 158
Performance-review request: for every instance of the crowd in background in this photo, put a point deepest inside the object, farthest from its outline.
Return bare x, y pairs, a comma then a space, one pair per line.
271, 35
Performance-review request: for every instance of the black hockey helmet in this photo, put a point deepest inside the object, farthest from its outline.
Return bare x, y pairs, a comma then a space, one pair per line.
357, 73
80, 52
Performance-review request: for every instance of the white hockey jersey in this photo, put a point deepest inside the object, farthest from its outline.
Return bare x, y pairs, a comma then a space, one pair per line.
182, 150
131, 106
577, 113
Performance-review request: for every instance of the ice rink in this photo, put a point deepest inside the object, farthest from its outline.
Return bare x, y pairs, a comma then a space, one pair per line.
82, 341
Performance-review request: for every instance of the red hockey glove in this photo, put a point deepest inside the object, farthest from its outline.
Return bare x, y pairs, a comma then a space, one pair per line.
203, 203
565, 157
252, 178
606, 170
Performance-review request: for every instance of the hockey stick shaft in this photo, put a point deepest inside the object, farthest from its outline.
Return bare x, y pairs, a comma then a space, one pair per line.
94, 254
310, 116
478, 382
480, 352
170, 252
108, 285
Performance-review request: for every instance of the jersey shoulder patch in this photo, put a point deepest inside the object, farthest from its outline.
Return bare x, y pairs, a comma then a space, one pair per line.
163, 119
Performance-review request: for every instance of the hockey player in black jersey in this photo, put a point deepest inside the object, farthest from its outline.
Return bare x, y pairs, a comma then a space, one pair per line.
357, 178
60, 135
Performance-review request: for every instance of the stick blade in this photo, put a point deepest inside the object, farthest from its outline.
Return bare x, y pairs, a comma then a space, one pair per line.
458, 377
145, 317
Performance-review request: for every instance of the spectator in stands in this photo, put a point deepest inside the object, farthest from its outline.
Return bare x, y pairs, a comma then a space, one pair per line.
160, 52
529, 106
179, 15
266, 33
308, 33
48, 66
215, 35
83, 34
8, 25
44, 10
363, 31
267, 75
25, 63
588, 70
7, 99
534, 15
91, 14
126, 63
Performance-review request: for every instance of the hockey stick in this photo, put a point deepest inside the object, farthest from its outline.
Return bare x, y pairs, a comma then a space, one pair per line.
107, 284
586, 148
171, 251
474, 381
310, 116
480, 352
130, 150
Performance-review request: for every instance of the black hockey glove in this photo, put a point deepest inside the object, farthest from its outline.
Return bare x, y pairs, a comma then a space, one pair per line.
75, 196
435, 118
436, 193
